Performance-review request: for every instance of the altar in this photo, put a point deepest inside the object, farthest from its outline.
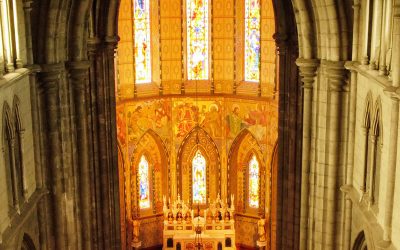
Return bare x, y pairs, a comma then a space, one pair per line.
217, 226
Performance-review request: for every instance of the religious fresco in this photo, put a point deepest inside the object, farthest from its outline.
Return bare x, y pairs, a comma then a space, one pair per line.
188, 113
217, 116
250, 115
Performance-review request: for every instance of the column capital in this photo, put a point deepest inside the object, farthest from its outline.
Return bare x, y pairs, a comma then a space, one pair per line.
307, 71
50, 75
336, 73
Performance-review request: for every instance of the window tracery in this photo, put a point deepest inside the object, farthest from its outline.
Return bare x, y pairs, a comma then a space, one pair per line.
197, 39
142, 41
252, 40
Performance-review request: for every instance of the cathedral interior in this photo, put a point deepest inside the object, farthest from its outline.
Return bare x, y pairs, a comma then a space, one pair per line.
199, 124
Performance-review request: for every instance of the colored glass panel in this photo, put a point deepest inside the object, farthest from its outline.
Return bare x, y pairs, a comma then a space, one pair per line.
144, 192
197, 39
254, 186
199, 178
142, 40
252, 40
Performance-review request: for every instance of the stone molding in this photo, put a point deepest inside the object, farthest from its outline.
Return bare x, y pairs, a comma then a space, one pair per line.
336, 73
307, 70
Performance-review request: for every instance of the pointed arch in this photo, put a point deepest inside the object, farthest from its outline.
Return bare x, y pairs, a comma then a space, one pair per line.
367, 110
243, 148
17, 114
8, 131
18, 147
152, 147
27, 243
186, 153
377, 118
360, 243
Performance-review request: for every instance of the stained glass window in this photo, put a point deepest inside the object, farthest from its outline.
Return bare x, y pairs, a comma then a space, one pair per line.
144, 192
197, 39
252, 40
142, 40
199, 178
254, 177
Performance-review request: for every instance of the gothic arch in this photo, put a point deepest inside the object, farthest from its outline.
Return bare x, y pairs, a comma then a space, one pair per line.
360, 242
243, 148
152, 147
186, 152
367, 111
27, 243
17, 116
377, 129
8, 131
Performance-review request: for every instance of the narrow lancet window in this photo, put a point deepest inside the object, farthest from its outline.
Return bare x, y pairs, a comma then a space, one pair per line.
144, 192
254, 185
142, 52
252, 41
197, 39
199, 178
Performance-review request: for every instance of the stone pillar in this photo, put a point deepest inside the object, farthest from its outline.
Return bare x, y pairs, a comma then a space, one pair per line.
7, 39
376, 34
365, 59
49, 84
307, 68
78, 76
390, 184
101, 110
18, 60
336, 81
372, 170
27, 18
386, 37
350, 154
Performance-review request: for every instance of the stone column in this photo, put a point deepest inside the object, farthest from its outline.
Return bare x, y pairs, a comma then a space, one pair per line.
386, 37
18, 60
336, 81
27, 18
78, 76
376, 34
49, 84
394, 123
365, 59
371, 170
307, 68
7, 39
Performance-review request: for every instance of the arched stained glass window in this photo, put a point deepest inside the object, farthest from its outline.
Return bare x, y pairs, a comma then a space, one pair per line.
254, 185
252, 41
199, 178
144, 192
197, 39
142, 52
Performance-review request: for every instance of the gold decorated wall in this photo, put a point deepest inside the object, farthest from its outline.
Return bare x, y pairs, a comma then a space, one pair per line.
236, 118
168, 51
230, 130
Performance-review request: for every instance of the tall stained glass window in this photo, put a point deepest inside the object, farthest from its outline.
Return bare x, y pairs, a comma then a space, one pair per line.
197, 39
142, 40
144, 192
199, 178
252, 41
254, 185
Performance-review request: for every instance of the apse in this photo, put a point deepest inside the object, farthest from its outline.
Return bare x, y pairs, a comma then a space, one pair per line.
197, 122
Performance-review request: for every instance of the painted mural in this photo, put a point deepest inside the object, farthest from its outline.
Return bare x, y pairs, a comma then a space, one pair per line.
173, 118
